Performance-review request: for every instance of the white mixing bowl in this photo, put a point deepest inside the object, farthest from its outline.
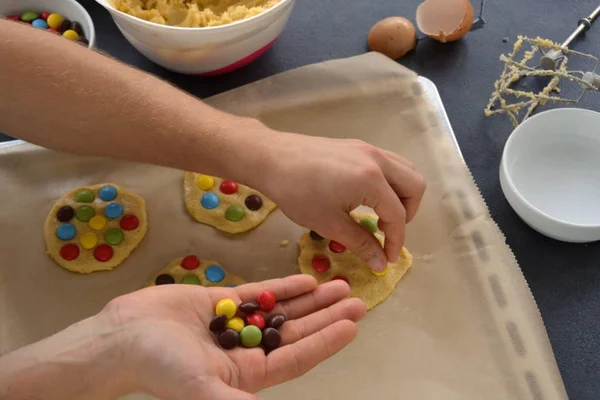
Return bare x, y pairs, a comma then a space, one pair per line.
69, 9
204, 51
550, 174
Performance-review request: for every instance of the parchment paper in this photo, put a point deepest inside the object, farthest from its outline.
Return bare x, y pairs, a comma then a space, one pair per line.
462, 324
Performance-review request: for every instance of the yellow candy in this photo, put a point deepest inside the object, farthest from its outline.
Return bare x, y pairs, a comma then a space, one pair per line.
226, 307
54, 20
88, 240
205, 182
98, 222
236, 323
71, 34
382, 273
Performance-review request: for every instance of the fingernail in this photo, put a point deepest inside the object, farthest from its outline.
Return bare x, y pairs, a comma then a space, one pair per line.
377, 264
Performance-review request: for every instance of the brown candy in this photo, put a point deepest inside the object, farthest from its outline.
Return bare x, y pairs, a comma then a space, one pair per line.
229, 339
249, 307
64, 26
76, 26
218, 323
271, 338
275, 321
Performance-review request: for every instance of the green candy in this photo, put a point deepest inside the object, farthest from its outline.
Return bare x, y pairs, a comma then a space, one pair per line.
251, 336
114, 236
85, 213
235, 213
84, 196
191, 280
29, 16
369, 223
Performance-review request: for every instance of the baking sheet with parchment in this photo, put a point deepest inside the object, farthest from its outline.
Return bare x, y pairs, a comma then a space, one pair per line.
462, 324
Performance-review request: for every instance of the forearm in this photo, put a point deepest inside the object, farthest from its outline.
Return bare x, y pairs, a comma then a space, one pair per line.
77, 363
57, 94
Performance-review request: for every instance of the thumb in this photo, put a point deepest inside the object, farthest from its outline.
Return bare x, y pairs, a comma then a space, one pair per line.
362, 242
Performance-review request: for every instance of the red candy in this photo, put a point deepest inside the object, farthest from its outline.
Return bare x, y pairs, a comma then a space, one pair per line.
266, 300
257, 320
320, 263
14, 17
336, 247
45, 15
229, 187
129, 222
190, 262
103, 253
69, 251
341, 278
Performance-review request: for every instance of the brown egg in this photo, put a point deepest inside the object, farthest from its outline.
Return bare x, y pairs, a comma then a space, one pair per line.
393, 36
445, 20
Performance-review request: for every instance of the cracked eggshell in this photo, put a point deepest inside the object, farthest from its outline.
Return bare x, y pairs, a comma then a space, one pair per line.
445, 20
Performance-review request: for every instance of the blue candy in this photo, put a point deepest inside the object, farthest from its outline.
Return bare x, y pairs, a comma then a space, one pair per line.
66, 231
214, 273
113, 210
40, 23
107, 193
232, 286
210, 201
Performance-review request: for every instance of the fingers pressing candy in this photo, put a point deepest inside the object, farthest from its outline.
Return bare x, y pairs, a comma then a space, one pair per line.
253, 330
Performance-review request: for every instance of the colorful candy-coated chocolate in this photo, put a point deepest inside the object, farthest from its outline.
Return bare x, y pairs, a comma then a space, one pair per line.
14, 17
107, 193
69, 251
39, 23
71, 34
228, 339
214, 273
103, 253
191, 280
336, 247
271, 338
45, 15
209, 201
205, 182
249, 307
129, 222
253, 202
226, 307
250, 336
236, 323
54, 20
341, 278
85, 213
217, 324
76, 26
164, 279
84, 196
190, 262
64, 26
228, 187
65, 213
113, 210
66, 231
114, 236
88, 240
315, 236
256, 319
382, 273
276, 320
369, 224
97, 223
321, 264
235, 213
266, 300
29, 16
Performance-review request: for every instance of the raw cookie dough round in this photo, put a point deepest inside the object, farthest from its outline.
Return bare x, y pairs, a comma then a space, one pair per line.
95, 228
192, 270
223, 204
327, 260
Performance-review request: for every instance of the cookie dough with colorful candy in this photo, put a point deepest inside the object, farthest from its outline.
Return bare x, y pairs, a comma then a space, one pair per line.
95, 228
327, 260
223, 204
194, 271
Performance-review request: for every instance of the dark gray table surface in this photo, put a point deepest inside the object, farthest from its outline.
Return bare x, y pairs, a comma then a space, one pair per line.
564, 278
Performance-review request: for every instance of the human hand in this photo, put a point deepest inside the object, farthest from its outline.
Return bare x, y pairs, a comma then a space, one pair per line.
157, 341
317, 182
